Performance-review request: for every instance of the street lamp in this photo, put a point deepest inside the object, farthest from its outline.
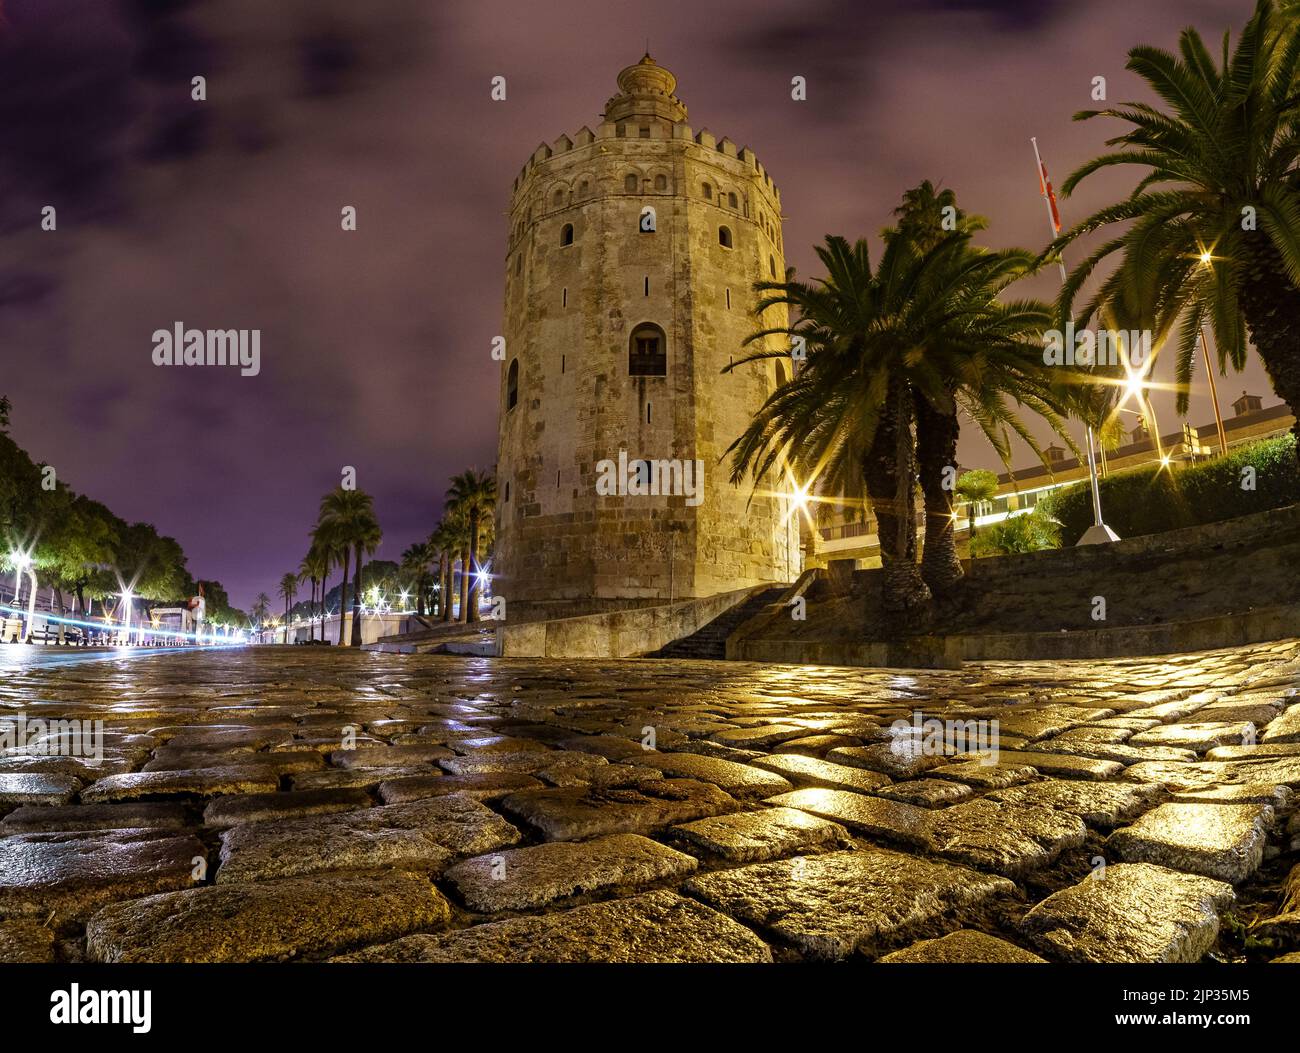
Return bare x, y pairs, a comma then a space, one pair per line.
1207, 261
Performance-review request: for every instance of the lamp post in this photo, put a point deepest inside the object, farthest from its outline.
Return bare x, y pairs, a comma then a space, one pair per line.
1207, 261
1099, 532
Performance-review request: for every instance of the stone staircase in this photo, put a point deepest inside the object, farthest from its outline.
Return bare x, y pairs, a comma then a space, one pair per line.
710, 641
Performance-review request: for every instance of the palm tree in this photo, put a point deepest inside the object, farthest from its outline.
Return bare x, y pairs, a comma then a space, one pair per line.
313, 568
288, 590
325, 543
474, 495
350, 515
261, 608
974, 487
455, 528
991, 352
415, 562
1214, 230
923, 326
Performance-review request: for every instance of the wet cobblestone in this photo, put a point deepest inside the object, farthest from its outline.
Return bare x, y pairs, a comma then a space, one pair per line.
281, 803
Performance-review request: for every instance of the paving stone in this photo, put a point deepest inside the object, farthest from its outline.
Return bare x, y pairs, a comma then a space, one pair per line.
18, 789
833, 905
705, 748
1281, 771
754, 837
610, 747
421, 836
24, 942
1278, 798
873, 816
132, 815
264, 807
1100, 804
486, 786
883, 757
1120, 752
1198, 737
763, 737
653, 927
484, 744
268, 921
208, 782
1136, 912
1255, 751
739, 780
1064, 765
987, 773
1009, 841
524, 878
275, 764
354, 778
1223, 841
574, 813
809, 771
1284, 728
64, 876
388, 756
526, 762
602, 776
964, 946
816, 745
926, 793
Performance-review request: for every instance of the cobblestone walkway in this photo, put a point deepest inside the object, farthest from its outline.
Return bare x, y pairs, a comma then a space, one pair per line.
267, 804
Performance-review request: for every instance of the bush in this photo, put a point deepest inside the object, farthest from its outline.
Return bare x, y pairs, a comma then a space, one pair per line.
1151, 500
1025, 533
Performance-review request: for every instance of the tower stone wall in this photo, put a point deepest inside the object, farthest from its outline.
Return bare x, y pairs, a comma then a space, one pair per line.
583, 278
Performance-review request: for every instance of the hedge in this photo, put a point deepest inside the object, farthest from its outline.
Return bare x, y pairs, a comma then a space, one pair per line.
1151, 500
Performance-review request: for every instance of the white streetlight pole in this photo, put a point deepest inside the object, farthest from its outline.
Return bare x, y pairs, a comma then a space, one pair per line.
1099, 532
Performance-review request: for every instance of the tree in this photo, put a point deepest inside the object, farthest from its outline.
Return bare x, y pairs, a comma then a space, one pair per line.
261, 608
350, 515
415, 564
288, 590
1214, 230
473, 494
973, 487
455, 530
984, 361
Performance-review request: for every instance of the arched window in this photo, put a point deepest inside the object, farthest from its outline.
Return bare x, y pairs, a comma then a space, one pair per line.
647, 354
708, 192
771, 266
780, 374
584, 188
559, 198
732, 202
724, 237
566, 234
661, 182
631, 183
507, 489
512, 384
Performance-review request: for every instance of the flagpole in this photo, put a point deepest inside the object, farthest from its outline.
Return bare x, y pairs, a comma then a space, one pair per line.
1099, 532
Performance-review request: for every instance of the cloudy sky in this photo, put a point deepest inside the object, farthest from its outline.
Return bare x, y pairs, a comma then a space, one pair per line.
375, 344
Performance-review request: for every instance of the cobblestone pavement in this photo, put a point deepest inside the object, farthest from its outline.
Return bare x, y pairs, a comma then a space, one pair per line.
266, 804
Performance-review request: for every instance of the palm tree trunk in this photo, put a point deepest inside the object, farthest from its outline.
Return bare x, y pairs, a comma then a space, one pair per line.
58, 600
474, 585
1271, 305
936, 458
448, 572
356, 600
343, 595
464, 584
888, 472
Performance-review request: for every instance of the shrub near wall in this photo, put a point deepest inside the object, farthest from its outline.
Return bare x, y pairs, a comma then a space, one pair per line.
1152, 500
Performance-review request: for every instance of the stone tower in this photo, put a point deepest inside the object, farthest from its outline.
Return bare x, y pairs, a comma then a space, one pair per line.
632, 255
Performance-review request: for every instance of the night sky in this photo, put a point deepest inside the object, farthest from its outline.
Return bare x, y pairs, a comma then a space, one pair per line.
375, 344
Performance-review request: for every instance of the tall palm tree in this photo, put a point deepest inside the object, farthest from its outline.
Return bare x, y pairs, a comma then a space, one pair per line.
288, 590
261, 608
1214, 220
455, 536
325, 542
474, 495
350, 516
991, 352
415, 562
313, 568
